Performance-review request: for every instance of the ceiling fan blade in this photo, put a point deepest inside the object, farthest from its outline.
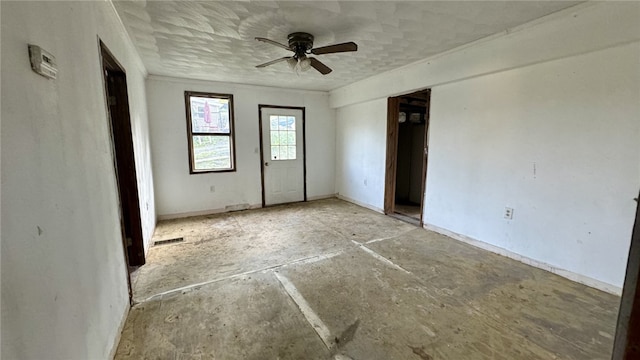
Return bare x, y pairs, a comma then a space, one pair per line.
322, 68
337, 48
273, 62
269, 41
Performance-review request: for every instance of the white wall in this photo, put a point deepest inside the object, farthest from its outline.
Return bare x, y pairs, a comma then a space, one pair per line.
64, 287
361, 138
559, 143
573, 110
179, 193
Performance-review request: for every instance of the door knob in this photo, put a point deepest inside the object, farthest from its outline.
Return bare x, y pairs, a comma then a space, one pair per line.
266, 163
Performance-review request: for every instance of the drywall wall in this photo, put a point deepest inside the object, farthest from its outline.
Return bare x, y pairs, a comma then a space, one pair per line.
180, 193
558, 143
574, 118
64, 287
361, 137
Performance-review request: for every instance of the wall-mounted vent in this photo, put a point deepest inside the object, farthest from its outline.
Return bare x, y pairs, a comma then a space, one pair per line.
168, 241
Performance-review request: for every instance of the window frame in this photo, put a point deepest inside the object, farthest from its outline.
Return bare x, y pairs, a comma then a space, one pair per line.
190, 134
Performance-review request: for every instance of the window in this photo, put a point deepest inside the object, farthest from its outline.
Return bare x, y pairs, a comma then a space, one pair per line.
283, 137
211, 133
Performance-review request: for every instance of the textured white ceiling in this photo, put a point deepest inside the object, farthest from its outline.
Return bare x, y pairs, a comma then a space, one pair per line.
215, 40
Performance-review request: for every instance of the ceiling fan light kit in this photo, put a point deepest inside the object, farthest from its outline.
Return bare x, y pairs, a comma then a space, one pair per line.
302, 45
292, 63
305, 64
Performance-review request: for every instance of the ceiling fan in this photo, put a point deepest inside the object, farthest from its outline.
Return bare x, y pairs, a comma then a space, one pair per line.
302, 45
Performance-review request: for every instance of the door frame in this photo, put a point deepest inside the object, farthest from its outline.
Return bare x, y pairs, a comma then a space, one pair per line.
393, 115
110, 66
304, 147
393, 127
627, 339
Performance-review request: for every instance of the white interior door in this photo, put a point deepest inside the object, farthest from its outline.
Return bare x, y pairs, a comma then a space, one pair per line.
282, 155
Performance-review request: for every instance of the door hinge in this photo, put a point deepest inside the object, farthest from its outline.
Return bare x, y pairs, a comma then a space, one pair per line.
111, 100
129, 242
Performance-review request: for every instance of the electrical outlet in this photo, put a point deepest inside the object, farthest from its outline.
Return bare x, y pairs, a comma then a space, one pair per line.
212, 188
508, 213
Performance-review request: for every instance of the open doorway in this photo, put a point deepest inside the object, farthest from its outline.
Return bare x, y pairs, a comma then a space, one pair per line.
407, 150
117, 99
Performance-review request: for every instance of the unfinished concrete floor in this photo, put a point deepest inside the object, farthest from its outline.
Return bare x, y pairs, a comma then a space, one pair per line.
331, 280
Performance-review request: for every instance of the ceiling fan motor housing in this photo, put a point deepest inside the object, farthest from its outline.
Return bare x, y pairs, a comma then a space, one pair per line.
300, 43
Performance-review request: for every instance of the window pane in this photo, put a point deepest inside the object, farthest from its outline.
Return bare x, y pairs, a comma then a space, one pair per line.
283, 138
210, 126
292, 123
209, 115
291, 137
212, 152
282, 122
275, 138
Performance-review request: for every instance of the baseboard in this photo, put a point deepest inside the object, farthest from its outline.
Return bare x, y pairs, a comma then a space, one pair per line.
123, 321
346, 198
229, 209
320, 197
585, 280
209, 212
